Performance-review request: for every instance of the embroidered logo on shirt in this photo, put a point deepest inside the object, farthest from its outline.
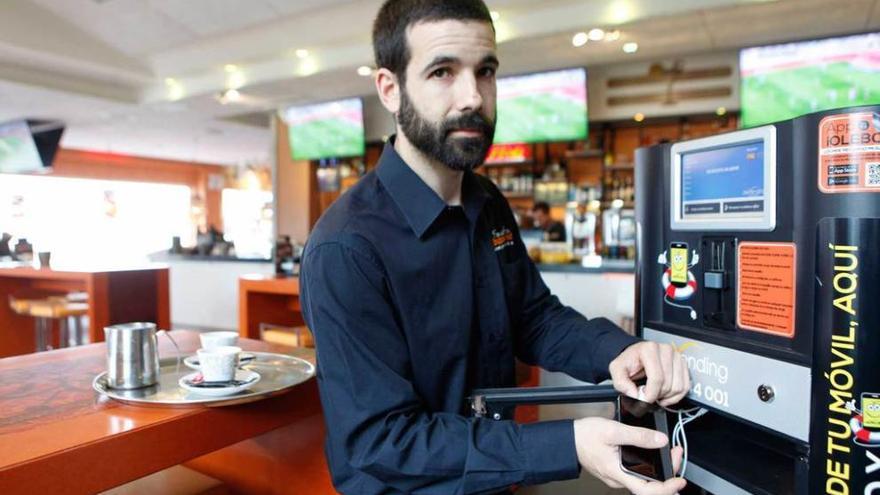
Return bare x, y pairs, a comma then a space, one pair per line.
501, 238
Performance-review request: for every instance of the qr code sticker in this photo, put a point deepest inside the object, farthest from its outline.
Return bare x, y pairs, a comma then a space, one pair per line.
872, 174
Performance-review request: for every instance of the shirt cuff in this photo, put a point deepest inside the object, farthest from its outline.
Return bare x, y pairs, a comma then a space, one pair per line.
612, 343
549, 451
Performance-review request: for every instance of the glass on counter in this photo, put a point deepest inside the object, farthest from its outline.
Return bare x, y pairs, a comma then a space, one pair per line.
554, 253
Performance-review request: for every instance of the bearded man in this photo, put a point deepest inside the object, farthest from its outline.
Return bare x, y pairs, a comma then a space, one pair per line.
418, 290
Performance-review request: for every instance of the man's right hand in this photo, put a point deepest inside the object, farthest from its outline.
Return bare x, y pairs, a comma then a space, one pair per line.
598, 442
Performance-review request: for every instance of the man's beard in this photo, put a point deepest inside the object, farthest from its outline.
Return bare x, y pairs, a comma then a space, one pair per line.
436, 141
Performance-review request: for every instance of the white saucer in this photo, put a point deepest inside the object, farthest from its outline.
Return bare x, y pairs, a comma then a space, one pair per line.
193, 361
250, 378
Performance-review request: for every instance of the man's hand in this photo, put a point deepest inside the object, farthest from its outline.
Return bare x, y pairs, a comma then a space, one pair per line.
598, 442
665, 368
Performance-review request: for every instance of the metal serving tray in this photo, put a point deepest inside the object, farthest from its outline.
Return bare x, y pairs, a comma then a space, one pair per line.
278, 372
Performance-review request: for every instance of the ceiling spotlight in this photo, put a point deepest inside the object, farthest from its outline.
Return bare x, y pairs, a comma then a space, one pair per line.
495, 15
630, 47
720, 111
235, 79
596, 34
302, 53
365, 71
612, 35
579, 39
229, 96
174, 89
307, 67
639, 117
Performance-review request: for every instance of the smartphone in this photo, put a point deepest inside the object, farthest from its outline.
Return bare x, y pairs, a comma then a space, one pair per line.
678, 261
871, 410
647, 464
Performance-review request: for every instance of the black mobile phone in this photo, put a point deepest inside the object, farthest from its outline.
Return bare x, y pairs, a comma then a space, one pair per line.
678, 263
648, 464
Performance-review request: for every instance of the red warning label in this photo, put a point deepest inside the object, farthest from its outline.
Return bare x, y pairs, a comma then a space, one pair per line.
766, 287
849, 153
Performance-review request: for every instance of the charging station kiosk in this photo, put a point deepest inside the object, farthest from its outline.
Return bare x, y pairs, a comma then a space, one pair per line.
759, 259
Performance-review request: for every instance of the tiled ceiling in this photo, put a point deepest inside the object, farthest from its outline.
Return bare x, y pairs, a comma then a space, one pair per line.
145, 27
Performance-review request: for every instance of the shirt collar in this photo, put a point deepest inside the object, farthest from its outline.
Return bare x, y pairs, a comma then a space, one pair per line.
419, 203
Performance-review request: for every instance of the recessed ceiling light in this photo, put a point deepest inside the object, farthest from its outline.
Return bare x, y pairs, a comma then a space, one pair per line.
364, 71
596, 34
579, 39
612, 35
229, 96
495, 15
230, 68
639, 117
720, 111
630, 47
302, 53
307, 67
175, 92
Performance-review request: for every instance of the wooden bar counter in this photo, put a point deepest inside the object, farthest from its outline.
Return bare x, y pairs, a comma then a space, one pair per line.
114, 296
58, 436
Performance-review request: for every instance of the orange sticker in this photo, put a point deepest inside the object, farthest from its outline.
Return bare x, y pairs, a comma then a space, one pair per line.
849, 153
766, 287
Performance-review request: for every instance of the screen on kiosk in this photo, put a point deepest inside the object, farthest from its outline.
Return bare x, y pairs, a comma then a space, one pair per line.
727, 181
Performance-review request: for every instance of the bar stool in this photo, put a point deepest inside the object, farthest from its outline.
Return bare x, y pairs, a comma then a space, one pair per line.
72, 317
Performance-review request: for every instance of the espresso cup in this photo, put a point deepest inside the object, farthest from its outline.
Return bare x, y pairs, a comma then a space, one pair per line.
212, 340
219, 364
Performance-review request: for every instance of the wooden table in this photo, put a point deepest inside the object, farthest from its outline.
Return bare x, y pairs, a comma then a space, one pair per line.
267, 299
58, 436
114, 296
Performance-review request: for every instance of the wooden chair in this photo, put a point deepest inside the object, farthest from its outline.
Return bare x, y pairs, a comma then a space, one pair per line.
287, 336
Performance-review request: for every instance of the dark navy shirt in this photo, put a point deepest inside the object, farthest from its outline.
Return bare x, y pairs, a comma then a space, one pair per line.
413, 304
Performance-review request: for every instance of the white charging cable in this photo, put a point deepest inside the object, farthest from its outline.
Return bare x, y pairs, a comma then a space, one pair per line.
679, 437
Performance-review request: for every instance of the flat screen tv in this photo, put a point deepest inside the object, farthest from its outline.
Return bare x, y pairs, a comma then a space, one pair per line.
545, 106
333, 129
18, 150
783, 81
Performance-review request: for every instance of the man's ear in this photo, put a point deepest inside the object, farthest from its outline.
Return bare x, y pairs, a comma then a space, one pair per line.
388, 87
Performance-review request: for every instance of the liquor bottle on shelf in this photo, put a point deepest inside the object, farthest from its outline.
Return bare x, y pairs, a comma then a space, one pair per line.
630, 191
607, 188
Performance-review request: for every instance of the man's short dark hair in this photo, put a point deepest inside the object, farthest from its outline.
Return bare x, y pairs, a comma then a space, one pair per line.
390, 46
542, 206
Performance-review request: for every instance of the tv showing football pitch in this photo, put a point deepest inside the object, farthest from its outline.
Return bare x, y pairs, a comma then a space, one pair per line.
326, 130
779, 82
547, 106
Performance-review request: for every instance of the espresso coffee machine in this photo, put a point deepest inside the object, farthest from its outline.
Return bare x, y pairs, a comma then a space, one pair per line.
618, 231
